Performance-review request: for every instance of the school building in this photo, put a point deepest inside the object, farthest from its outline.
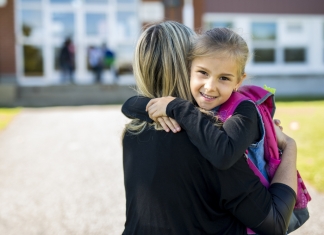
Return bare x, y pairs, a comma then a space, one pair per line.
285, 37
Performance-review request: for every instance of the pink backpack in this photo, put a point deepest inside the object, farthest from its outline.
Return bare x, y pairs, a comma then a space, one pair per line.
264, 101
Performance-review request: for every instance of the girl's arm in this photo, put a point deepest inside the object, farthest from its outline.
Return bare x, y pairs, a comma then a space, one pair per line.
222, 147
135, 107
283, 201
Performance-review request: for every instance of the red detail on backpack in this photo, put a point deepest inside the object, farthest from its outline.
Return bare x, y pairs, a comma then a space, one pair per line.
264, 102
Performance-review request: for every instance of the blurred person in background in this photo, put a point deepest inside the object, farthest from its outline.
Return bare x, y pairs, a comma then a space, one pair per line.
67, 61
109, 61
96, 62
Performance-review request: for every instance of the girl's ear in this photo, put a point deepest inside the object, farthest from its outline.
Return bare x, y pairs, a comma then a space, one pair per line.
240, 82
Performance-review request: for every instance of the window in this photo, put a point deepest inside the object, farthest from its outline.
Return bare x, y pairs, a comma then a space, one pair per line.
264, 36
264, 55
264, 31
96, 24
125, 1
61, 1
63, 24
31, 25
219, 24
33, 60
96, 1
30, 1
56, 54
295, 55
126, 25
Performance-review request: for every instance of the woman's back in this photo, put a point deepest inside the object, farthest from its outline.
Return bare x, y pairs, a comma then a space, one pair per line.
172, 189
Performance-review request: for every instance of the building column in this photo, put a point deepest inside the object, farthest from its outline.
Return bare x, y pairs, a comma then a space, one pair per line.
173, 10
7, 42
188, 14
198, 6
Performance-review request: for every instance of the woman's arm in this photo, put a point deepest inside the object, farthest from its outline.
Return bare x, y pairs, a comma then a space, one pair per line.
265, 211
283, 204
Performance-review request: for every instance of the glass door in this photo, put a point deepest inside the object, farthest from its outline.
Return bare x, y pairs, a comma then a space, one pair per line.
55, 38
63, 65
30, 41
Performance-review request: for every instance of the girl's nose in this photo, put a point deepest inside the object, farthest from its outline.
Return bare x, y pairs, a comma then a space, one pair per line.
210, 85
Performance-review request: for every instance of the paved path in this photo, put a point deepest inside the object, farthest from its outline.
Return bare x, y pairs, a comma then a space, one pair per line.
61, 174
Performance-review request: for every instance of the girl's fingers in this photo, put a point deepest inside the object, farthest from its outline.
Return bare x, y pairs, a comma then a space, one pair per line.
175, 124
277, 122
170, 125
163, 124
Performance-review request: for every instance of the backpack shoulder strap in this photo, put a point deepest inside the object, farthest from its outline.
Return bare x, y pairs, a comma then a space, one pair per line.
227, 109
260, 96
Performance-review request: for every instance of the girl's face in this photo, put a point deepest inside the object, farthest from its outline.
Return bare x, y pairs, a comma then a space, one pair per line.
213, 79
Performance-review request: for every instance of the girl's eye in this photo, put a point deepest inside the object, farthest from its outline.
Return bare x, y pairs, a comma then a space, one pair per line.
202, 72
224, 78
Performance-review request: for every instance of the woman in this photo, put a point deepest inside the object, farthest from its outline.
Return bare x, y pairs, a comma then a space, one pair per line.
170, 187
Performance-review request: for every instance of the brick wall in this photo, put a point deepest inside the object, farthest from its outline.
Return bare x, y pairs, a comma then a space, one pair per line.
171, 12
198, 6
7, 41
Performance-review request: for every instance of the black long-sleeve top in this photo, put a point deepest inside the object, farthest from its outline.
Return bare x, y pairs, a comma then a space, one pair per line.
173, 189
222, 147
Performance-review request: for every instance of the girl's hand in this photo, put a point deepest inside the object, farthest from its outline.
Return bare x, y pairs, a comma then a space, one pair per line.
277, 122
168, 123
282, 138
157, 107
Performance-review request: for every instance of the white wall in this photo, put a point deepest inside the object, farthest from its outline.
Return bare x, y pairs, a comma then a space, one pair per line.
310, 36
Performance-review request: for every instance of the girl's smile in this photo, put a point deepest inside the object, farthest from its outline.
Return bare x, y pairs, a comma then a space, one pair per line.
207, 97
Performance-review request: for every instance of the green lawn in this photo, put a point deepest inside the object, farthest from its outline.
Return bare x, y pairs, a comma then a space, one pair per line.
6, 115
304, 121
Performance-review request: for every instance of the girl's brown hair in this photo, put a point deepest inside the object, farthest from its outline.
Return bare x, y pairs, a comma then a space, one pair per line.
221, 42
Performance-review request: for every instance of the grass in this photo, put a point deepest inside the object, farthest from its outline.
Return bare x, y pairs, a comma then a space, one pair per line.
6, 115
304, 122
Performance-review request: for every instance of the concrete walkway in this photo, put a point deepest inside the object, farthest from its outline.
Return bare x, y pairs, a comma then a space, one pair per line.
61, 174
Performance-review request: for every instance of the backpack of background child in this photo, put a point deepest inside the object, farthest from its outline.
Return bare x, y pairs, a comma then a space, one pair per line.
264, 158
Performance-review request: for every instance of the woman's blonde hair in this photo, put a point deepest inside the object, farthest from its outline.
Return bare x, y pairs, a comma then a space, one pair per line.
221, 42
161, 66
